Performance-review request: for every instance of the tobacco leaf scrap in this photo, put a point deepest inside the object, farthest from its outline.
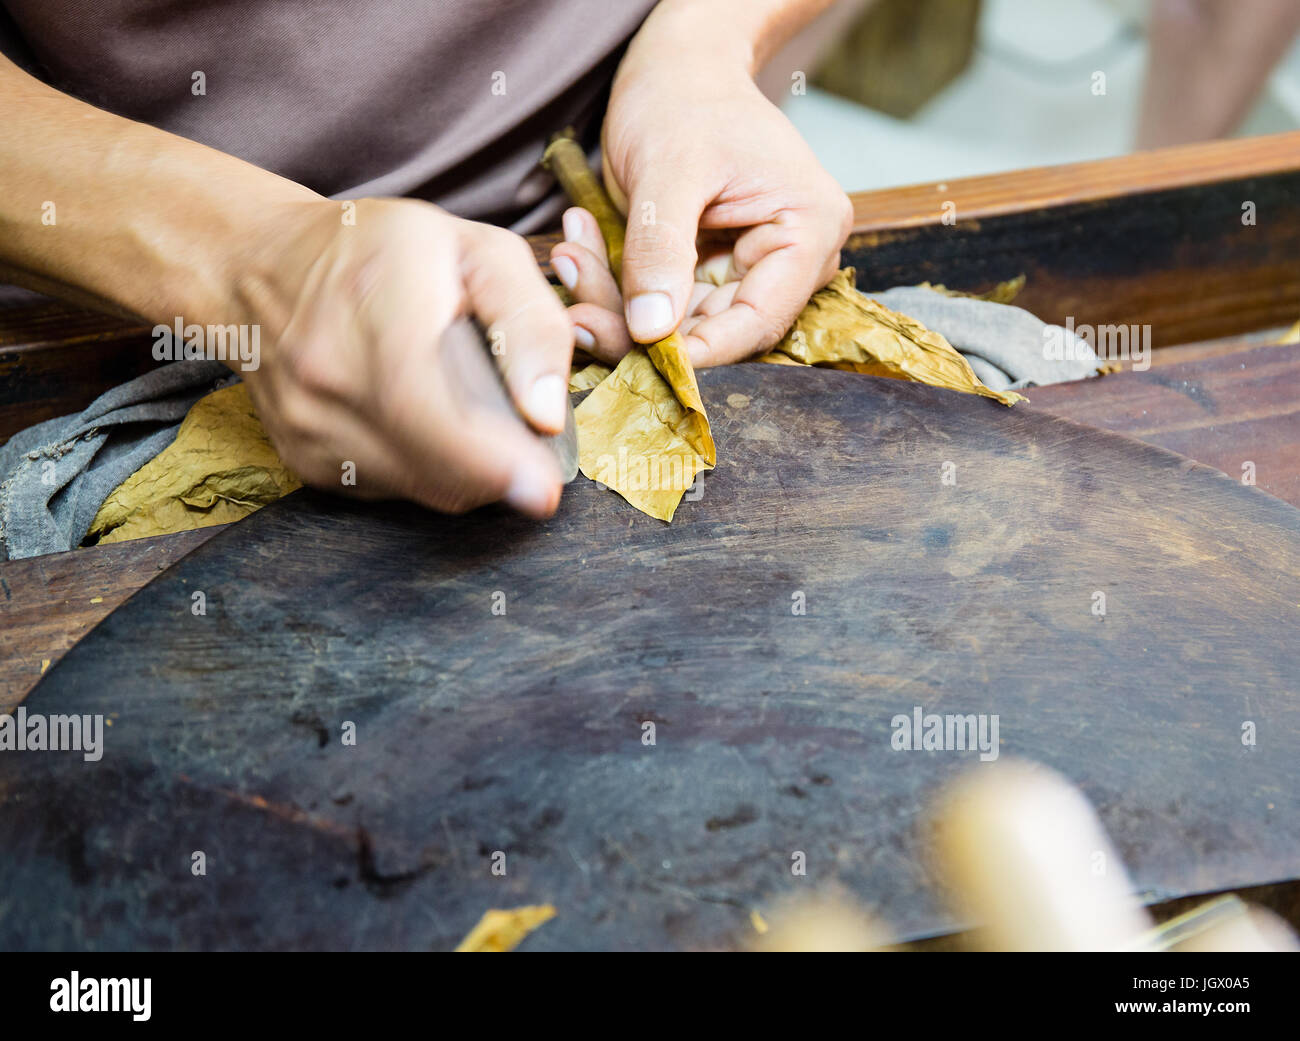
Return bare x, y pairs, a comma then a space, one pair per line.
643, 432
587, 377
842, 328
220, 468
499, 931
1002, 293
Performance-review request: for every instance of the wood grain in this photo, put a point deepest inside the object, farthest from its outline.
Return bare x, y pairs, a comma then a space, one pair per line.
1226, 411
522, 732
49, 603
1070, 184
1177, 263
48, 614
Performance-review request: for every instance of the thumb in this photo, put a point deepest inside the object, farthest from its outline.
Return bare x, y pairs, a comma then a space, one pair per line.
659, 256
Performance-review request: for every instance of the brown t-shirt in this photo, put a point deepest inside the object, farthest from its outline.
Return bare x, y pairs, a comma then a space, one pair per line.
446, 100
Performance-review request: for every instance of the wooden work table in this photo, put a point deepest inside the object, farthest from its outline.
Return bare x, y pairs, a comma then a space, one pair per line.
1240, 403
1148, 239
1154, 240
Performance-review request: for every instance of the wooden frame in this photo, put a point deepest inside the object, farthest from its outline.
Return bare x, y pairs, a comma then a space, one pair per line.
1154, 238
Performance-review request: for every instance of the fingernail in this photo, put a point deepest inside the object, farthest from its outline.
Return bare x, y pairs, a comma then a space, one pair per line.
650, 316
530, 492
567, 270
547, 401
572, 225
584, 338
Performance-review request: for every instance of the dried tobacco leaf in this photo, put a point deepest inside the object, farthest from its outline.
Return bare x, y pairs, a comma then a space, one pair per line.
1002, 293
643, 431
499, 931
636, 436
840, 328
220, 468
587, 377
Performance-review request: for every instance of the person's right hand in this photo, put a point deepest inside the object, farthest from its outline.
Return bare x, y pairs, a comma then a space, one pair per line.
351, 324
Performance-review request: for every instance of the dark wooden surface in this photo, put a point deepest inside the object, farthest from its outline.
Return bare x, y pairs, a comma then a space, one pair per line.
1067, 184
56, 359
49, 603
523, 733
1226, 402
1224, 411
1178, 261
1153, 238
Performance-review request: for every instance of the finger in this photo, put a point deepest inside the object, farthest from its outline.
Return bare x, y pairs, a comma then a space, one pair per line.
706, 301
602, 333
455, 452
359, 462
767, 301
699, 292
506, 463
659, 253
332, 446
436, 447
717, 300
781, 263
586, 277
580, 228
819, 234
528, 330
718, 269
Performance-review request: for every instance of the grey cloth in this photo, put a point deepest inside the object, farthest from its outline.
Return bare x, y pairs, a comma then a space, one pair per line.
54, 476
1004, 344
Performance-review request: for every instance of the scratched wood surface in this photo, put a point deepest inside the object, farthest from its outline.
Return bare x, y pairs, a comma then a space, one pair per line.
523, 733
1230, 401
49, 603
1239, 413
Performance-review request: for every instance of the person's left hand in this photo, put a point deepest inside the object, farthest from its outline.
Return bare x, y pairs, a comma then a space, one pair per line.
708, 170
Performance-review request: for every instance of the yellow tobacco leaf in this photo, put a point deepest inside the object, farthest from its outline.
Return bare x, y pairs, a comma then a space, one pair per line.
644, 429
638, 438
221, 467
1002, 293
773, 358
503, 930
586, 377
670, 358
843, 329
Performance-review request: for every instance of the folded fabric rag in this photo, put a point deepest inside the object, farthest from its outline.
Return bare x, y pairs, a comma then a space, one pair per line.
1003, 343
55, 475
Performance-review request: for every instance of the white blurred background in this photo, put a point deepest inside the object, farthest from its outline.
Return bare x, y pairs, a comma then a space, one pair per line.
1024, 100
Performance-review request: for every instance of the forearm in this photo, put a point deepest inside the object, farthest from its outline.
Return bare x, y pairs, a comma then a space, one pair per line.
121, 216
